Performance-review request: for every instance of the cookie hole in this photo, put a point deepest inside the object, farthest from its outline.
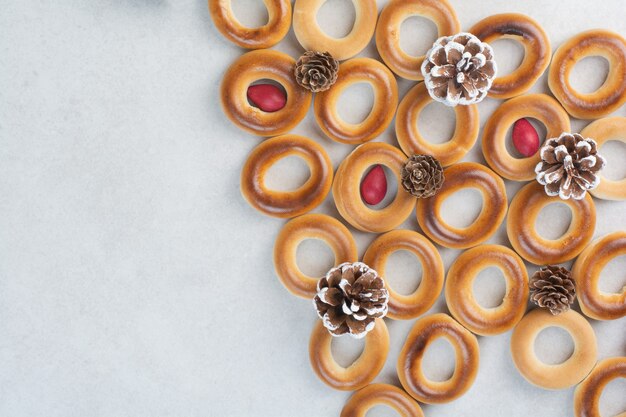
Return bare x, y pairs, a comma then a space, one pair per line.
509, 55
542, 132
439, 121
403, 272
614, 151
270, 82
336, 18
250, 13
554, 345
287, 174
589, 74
462, 207
439, 360
314, 257
392, 188
489, 287
381, 410
612, 399
553, 221
346, 349
417, 35
355, 103
613, 276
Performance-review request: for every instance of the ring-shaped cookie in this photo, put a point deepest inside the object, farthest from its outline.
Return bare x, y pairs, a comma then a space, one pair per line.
587, 393
539, 106
440, 12
353, 71
611, 95
254, 66
602, 131
313, 38
409, 367
586, 272
557, 376
381, 394
520, 226
347, 195
286, 203
405, 307
460, 295
362, 371
310, 226
531, 36
411, 140
457, 177
268, 35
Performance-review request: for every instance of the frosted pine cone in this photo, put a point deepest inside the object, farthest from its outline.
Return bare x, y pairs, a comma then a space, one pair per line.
552, 287
350, 298
459, 69
570, 165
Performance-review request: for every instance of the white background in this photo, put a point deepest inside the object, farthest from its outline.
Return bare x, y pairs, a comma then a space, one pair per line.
134, 278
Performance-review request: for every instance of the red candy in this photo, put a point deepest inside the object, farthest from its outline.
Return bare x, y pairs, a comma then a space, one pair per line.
267, 97
525, 138
374, 186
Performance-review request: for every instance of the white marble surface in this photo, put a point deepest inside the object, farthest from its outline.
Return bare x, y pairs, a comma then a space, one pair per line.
135, 280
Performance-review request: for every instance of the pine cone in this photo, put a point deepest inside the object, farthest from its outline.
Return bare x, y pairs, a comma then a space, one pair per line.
569, 166
349, 298
459, 69
422, 176
552, 287
316, 71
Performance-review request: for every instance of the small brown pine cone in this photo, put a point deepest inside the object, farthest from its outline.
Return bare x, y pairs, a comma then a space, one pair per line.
316, 71
422, 176
570, 165
552, 287
350, 298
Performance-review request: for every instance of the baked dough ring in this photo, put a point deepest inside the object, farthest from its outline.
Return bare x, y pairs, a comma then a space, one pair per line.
602, 131
531, 36
257, 65
611, 95
587, 393
286, 203
440, 12
310, 226
279, 12
586, 271
313, 38
358, 70
539, 106
347, 194
460, 295
458, 176
466, 351
412, 142
520, 226
404, 307
381, 394
562, 375
362, 371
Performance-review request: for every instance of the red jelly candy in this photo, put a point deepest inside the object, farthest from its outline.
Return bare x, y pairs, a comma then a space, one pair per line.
267, 97
374, 186
525, 138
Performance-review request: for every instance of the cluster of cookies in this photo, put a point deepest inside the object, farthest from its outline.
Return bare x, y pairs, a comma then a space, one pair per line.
459, 70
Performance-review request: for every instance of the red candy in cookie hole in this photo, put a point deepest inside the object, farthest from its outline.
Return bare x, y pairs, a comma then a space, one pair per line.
267, 97
374, 186
525, 138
